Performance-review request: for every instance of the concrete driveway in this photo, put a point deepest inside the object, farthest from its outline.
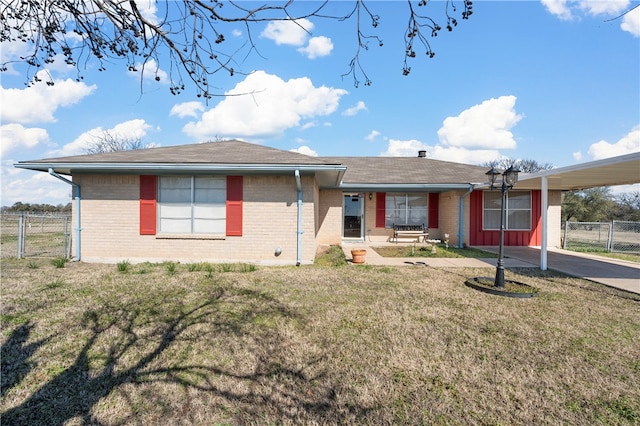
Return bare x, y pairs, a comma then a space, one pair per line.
620, 274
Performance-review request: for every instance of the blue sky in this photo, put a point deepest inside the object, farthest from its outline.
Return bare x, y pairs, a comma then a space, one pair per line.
555, 81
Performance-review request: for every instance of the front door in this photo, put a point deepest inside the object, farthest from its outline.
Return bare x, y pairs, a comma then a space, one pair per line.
353, 208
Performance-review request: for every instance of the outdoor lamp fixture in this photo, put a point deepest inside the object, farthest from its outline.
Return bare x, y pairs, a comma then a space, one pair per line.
509, 179
370, 196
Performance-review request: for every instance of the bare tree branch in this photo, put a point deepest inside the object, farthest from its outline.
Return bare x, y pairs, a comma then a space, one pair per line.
188, 36
110, 142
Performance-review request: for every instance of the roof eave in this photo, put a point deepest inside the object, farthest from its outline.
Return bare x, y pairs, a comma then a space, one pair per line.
69, 168
405, 187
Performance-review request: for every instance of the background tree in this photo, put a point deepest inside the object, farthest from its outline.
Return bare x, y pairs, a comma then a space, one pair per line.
110, 142
188, 37
627, 207
525, 165
589, 205
20, 207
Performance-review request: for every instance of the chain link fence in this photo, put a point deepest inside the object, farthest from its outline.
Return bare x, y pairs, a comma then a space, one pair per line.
35, 235
616, 236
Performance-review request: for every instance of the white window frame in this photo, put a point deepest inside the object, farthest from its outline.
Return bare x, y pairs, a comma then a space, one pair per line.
508, 210
202, 217
389, 223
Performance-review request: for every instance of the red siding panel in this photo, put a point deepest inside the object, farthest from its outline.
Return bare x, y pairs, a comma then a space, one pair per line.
434, 209
381, 209
479, 237
234, 206
148, 189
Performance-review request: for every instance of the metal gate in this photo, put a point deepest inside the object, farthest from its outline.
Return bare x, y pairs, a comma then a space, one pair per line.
35, 235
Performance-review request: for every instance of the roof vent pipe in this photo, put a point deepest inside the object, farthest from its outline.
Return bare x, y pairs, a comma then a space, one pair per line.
422, 154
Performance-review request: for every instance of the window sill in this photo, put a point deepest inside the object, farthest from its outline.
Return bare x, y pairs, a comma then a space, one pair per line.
191, 237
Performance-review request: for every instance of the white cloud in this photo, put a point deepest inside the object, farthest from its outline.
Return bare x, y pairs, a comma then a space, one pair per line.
371, 136
463, 155
600, 7
305, 150
132, 129
409, 148
15, 136
567, 10
151, 72
288, 32
265, 105
628, 144
38, 103
236, 33
187, 109
31, 187
577, 156
631, 22
360, 106
309, 125
558, 8
317, 47
483, 126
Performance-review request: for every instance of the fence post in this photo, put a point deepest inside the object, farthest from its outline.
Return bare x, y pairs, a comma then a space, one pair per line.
610, 242
20, 235
566, 229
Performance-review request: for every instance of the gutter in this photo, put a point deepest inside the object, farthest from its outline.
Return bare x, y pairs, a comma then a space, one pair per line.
299, 231
411, 187
76, 191
461, 220
181, 167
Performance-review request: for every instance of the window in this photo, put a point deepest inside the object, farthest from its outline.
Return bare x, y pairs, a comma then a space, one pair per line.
403, 208
517, 209
192, 204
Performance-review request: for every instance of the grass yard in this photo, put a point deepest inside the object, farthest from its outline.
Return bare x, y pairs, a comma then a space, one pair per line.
225, 344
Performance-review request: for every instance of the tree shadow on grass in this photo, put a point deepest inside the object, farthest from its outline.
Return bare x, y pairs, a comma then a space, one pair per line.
131, 349
15, 357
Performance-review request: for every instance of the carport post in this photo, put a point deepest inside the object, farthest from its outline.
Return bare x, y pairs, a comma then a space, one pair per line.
544, 207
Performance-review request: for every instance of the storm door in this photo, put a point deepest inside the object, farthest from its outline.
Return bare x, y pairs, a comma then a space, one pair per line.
353, 213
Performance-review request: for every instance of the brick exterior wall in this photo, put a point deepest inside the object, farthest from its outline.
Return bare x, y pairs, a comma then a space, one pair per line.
449, 218
329, 217
111, 210
110, 224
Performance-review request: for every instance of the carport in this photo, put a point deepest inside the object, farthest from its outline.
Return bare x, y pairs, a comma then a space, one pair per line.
620, 170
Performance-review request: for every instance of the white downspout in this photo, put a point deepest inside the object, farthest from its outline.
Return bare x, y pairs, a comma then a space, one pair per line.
76, 190
300, 231
461, 221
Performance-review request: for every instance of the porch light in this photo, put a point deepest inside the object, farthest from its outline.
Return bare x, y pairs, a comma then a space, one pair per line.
509, 179
370, 196
492, 175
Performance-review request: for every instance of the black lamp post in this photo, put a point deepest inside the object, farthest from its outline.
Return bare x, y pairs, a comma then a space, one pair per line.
509, 179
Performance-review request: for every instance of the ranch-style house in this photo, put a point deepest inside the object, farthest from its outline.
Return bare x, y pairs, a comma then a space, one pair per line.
233, 201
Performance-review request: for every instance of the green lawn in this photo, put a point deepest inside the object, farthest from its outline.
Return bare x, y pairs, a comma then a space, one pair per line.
234, 344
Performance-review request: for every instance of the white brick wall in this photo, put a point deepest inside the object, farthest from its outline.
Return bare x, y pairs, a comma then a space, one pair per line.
110, 224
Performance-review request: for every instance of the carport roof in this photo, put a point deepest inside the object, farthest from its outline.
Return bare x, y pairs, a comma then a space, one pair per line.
621, 170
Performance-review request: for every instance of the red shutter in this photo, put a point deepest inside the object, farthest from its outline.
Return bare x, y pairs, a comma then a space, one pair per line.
381, 209
148, 188
234, 206
434, 208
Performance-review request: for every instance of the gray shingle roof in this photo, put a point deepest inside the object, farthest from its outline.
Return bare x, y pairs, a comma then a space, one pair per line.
407, 170
360, 170
224, 152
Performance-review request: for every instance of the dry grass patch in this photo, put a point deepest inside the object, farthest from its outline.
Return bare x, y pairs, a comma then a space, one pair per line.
312, 345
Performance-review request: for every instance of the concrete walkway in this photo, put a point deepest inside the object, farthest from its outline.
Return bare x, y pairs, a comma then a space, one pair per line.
611, 272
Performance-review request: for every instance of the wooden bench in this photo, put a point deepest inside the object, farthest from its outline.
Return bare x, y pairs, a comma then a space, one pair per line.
416, 232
